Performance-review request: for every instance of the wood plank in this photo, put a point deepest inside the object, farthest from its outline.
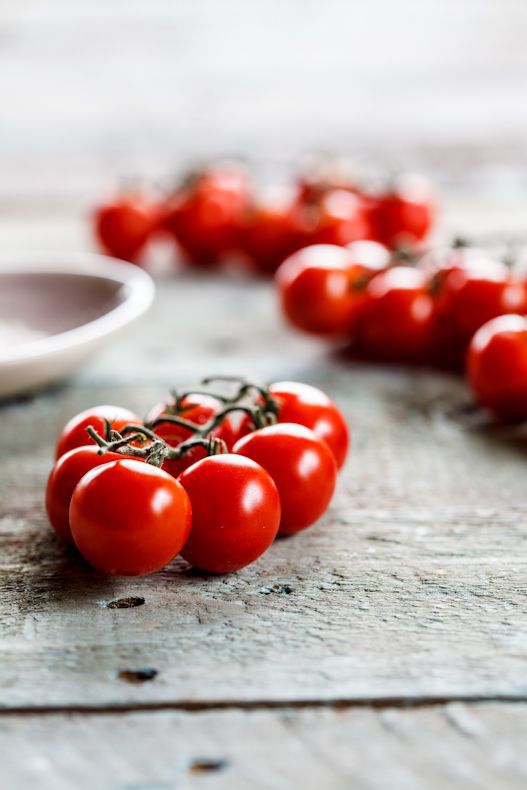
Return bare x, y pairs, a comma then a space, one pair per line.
413, 585
468, 747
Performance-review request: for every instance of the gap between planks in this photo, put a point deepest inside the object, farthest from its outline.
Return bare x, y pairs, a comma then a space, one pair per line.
381, 703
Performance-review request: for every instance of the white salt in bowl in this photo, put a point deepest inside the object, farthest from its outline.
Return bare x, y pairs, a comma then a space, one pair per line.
56, 310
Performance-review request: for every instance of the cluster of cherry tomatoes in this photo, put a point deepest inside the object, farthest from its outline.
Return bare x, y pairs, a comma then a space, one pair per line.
451, 306
212, 477
218, 214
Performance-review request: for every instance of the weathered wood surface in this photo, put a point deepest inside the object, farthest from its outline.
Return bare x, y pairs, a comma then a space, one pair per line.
463, 747
412, 586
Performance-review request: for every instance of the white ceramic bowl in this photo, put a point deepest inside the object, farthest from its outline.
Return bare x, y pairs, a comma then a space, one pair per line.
58, 309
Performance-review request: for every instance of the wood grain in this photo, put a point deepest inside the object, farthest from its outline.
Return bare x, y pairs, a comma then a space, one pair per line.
412, 586
464, 747
295, 671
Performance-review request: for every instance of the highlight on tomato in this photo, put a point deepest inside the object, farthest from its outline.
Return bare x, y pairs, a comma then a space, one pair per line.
66, 473
129, 518
74, 433
497, 367
235, 512
396, 323
309, 406
114, 500
340, 217
406, 213
302, 467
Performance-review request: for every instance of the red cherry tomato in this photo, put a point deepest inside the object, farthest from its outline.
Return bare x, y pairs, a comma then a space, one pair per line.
124, 226
341, 218
204, 216
309, 406
406, 214
396, 323
274, 227
471, 289
316, 291
74, 432
65, 475
370, 256
235, 512
129, 518
198, 409
322, 288
497, 367
302, 466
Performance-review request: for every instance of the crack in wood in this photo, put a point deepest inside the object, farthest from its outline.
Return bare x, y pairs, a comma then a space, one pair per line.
201, 706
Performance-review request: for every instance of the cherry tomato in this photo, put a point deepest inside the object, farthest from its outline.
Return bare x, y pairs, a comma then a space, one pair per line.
497, 367
341, 218
322, 288
65, 475
124, 226
302, 466
74, 432
471, 289
396, 323
309, 406
198, 409
204, 216
370, 256
405, 214
316, 291
129, 518
274, 227
235, 512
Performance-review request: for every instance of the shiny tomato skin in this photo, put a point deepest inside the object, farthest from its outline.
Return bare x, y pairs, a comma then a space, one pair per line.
309, 406
74, 432
199, 409
235, 512
405, 214
341, 218
371, 256
316, 291
469, 295
301, 465
447, 270
204, 215
396, 324
123, 226
129, 518
323, 287
64, 476
273, 228
497, 367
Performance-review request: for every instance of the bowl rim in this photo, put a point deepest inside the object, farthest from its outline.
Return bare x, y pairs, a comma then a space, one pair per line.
138, 298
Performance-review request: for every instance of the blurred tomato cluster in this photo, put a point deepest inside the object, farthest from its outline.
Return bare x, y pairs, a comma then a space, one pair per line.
349, 263
218, 212
452, 306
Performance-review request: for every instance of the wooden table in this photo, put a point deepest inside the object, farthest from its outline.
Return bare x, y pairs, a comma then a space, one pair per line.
384, 648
